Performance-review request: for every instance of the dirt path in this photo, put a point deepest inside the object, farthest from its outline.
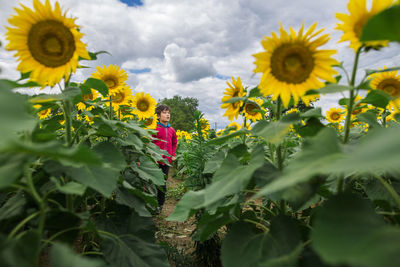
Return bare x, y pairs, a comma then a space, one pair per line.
177, 235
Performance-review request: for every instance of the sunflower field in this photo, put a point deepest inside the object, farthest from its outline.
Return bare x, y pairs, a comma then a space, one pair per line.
282, 185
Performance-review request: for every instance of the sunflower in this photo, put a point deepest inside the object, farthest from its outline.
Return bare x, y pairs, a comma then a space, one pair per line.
353, 23
151, 123
293, 110
235, 126
144, 104
335, 115
113, 76
291, 64
204, 124
234, 90
121, 97
92, 96
307, 99
43, 114
388, 82
48, 44
252, 110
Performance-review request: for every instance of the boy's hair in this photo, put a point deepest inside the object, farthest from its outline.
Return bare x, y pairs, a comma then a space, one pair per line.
160, 108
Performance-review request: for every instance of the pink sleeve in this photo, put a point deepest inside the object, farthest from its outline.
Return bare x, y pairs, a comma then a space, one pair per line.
174, 142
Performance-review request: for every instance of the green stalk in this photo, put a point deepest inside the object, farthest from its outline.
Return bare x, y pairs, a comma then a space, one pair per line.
390, 189
67, 117
22, 223
279, 157
351, 104
111, 108
37, 198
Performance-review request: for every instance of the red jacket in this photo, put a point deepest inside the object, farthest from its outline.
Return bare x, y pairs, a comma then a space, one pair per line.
166, 133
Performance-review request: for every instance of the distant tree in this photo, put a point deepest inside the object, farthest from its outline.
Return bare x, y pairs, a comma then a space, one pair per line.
182, 110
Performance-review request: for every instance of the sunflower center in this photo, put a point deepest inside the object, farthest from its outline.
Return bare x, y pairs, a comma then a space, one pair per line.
110, 82
143, 105
292, 63
148, 122
51, 43
118, 97
390, 86
250, 109
87, 97
335, 116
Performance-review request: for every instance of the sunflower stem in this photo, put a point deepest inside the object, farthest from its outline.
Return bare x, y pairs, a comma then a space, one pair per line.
351, 100
111, 108
67, 117
390, 189
119, 114
40, 202
279, 153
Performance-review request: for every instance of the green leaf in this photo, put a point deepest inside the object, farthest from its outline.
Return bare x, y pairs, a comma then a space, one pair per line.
149, 171
14, 84
130, 242
315, 158
10, 168
370, 118
128, 198
369, 71
215, 162
21, 252
377, 98
64, 256
244, 245
383, 26
111, 156
210, 223
272, 132
14, 206
132, 139
223, 139
98, 85
312, 113
330, 88
93, 55
13, 118
312, 127
55, 150
255, 92
70, 188
190, 201
235, 99
347, 227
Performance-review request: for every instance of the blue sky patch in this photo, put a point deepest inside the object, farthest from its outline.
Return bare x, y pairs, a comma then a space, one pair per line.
132, 2
138, 71
222, 77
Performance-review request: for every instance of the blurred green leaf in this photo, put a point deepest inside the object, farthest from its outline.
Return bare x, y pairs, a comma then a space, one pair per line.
370, 118
235, 99
149, 171
13, 207
223, 139
272, 132
255, 92
383, 26
63, 256
21, 252
377, 98
347, 227
245, 245
330, 88
214, 163
98, 85
13, 84
70, 188
10, 168
13, 116
125, 197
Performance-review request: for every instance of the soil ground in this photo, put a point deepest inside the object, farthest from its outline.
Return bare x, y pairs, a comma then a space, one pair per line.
176, 234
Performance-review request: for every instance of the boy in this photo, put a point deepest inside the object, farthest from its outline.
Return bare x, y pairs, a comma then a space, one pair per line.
166, 133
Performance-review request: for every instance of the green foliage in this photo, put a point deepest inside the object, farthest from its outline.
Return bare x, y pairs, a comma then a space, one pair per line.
182, 111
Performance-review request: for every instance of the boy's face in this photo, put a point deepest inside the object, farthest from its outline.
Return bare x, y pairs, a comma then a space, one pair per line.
164, 116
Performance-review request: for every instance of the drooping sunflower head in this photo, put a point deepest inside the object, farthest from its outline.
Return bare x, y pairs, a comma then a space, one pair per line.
234, 90
44, 113
113, 76
292, 63
388, 82
353, 23
234, 125
253, 109
48, 44
92, 96
151, 123
335, 115
144, 104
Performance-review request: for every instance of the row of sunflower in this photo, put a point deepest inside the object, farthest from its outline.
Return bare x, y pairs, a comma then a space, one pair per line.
82, 178
303, 188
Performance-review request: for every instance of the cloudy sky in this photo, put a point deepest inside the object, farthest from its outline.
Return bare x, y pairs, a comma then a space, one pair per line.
191, 48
